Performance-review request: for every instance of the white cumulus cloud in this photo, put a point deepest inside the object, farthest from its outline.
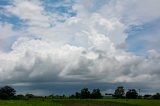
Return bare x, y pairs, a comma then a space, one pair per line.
88, 46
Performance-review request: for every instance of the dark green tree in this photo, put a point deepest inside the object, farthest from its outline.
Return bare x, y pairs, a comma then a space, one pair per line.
72, 96
156, 96
119, 92
96, 94
147, 96
20, 96
131, 94
28, 96
7, 92
85, 94
77, 95
4, 96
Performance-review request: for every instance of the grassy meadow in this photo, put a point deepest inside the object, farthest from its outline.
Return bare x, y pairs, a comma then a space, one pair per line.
75, 102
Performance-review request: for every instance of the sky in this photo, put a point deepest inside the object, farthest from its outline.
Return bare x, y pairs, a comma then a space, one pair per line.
60, 46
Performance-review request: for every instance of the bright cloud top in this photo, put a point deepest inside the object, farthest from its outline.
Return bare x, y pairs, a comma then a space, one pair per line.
83, 40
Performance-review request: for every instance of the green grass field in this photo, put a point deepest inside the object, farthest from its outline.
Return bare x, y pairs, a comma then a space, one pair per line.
74, 102
137, 102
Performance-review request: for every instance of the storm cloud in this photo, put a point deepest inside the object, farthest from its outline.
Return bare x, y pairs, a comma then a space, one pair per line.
72, 42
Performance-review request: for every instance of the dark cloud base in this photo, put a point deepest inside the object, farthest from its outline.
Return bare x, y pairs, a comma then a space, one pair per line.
70, 88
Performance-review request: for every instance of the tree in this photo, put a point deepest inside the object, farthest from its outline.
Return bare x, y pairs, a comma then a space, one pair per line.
96, 94
51, 96
77, 95
7, 92
29, 96
85, 94
119, 92
72, 96
20, 96
156, 96
4, 96
131, 94
147, 96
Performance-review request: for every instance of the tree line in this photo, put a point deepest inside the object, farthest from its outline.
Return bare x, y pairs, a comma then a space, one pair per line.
132, 94
8, 92
86, 94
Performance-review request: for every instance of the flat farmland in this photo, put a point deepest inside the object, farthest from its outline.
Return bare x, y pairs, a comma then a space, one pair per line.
75, 102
